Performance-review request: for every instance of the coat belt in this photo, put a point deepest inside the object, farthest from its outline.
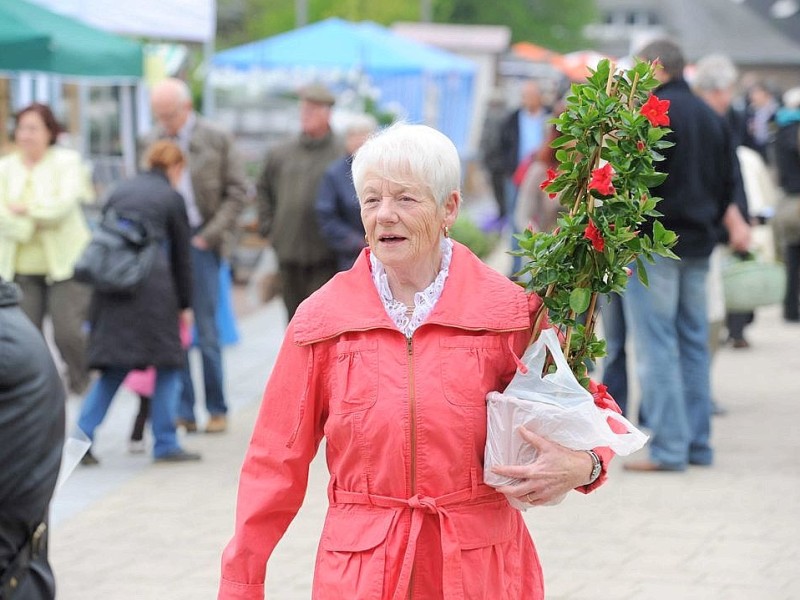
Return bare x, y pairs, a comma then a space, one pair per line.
419, 506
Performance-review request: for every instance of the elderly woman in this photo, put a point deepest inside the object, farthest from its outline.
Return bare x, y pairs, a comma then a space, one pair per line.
43, 232
391, 362
141, 329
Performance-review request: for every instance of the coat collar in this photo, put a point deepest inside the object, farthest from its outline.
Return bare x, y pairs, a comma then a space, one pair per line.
475, 297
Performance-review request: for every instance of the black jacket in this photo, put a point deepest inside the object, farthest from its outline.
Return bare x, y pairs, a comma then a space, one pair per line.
31, 440
141, 329
700, 172
787, 156
339, 213
509, 142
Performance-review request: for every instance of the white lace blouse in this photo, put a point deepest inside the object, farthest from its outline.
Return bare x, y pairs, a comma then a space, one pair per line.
424, 301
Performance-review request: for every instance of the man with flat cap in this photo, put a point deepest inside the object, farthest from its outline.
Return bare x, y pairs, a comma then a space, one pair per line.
287, 190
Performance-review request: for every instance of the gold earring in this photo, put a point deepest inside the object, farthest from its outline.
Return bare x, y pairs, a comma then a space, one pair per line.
446, 231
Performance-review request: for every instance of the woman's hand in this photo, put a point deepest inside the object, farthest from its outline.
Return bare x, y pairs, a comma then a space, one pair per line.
556, 471
199, 242
187, 317
17, 208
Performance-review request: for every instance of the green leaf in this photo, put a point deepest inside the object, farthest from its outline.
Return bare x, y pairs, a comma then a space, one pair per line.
579, 300
641, 272
561, 140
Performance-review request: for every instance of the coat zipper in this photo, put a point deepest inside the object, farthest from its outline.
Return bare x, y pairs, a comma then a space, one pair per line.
412, 410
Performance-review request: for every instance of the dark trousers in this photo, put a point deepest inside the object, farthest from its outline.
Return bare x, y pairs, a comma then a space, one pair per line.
791, 258
300, 281
67, 304
735, 324
498, 181
615, 367
141, 418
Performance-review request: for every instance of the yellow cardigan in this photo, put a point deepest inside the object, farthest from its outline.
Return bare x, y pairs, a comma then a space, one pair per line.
60, 184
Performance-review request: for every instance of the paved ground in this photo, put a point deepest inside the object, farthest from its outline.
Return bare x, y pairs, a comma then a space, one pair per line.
131, 530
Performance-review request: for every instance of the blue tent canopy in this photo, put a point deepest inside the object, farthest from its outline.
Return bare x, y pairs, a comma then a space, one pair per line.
414, 75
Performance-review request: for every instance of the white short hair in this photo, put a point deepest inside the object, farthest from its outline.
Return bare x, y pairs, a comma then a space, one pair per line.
791, 97
714, 72
360, 123
411, 155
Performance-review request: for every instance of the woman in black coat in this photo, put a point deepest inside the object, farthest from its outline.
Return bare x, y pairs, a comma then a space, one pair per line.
141, 329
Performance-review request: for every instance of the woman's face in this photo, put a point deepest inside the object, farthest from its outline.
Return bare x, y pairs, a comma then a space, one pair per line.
403, 223
32, 136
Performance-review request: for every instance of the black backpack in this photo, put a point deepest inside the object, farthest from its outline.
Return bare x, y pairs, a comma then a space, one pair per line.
120, 254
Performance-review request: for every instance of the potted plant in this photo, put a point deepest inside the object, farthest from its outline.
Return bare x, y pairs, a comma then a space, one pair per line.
611, 132
610, 135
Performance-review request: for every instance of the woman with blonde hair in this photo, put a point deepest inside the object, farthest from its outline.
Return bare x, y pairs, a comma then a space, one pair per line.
141, 329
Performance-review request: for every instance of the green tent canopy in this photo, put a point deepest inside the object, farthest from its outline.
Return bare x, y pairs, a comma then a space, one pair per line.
33, 38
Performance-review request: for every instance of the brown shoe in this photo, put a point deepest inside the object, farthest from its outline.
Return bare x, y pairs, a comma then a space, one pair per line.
648, 466
189, 426
217, 424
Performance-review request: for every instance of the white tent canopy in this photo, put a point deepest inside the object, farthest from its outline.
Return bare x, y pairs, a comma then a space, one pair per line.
184, 20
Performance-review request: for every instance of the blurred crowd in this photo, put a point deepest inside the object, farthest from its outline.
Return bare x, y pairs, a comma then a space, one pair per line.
733, 193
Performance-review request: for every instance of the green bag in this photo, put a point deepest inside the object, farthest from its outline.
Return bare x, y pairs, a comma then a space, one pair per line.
749, 283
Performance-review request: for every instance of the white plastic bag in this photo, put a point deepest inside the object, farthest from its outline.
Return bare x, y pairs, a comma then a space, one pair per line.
554, 406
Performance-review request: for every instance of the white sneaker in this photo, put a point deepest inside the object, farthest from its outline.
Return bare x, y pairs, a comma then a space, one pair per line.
136, 447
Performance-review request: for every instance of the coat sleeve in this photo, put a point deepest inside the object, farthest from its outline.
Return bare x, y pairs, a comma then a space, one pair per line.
72, 188
274, 476
180, 251
603, 399
266, 193
233, 191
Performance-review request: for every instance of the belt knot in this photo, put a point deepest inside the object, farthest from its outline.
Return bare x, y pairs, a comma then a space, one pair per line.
425, 503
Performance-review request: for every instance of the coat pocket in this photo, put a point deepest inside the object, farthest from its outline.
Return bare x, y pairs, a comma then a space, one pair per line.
356, 372
470, 366
352, 554
490, 552
484, 525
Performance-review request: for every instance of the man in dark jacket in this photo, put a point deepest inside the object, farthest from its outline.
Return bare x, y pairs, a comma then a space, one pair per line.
31, 440
522, 134
668, 319
287, 193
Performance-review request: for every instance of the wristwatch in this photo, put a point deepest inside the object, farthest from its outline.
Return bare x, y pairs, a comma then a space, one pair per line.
597, 466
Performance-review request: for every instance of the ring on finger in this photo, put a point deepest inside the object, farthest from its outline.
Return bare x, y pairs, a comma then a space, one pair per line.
528, 497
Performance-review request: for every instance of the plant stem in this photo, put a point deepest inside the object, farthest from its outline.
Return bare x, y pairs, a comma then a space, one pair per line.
611, 71
632, 95
568, 336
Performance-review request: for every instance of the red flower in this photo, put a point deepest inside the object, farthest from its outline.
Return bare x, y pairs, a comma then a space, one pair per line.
601, 180
593, 234
551, 175
639, 145
655, 111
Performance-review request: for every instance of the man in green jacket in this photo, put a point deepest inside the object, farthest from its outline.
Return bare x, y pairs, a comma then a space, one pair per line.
287, 191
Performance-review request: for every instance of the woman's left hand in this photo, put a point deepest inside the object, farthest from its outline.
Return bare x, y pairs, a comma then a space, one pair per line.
200, 242
556, 471
17, 208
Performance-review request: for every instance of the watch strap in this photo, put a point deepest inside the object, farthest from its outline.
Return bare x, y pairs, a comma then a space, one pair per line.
597, 466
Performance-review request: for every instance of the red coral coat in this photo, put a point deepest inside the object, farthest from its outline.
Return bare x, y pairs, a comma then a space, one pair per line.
405, 422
